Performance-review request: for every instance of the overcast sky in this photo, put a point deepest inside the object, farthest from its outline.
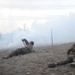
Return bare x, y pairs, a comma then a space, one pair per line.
38, 16
16, 13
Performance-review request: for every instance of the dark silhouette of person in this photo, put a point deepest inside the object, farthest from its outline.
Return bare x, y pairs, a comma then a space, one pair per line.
21, 51
70, 58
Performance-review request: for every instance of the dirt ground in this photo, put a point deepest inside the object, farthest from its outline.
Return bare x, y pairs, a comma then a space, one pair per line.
36, 63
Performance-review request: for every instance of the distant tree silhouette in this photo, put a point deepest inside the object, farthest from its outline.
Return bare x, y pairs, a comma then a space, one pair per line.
0, 35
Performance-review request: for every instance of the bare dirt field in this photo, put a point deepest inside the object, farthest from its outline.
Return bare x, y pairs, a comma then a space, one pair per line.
36, 63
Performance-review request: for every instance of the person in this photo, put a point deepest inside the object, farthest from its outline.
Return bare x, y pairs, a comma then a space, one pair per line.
21, 51
70, 58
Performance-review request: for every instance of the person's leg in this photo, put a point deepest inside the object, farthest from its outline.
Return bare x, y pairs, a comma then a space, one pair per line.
68, 60
14, 53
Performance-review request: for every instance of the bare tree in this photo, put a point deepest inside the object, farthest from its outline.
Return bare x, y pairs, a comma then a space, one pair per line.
0, 35
24, 27
52, 37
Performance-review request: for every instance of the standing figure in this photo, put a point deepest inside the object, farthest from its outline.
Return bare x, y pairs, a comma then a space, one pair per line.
21, 51
70, 58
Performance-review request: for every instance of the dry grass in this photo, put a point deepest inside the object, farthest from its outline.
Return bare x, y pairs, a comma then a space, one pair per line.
36, 63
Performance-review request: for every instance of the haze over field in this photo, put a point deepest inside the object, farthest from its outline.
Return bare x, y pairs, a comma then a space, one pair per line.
34, 19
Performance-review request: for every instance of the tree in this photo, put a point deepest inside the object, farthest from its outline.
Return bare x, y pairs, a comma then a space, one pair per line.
0, 35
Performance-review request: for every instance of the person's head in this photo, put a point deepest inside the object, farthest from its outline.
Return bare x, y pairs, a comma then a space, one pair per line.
23, 40
31, 42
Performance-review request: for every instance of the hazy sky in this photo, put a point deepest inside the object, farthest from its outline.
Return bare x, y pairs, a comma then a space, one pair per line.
16, 13
38, 16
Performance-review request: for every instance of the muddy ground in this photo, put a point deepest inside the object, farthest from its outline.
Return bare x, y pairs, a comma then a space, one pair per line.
36, 63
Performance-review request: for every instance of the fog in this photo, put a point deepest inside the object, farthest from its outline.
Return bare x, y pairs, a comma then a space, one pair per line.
40, 18
63, 28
